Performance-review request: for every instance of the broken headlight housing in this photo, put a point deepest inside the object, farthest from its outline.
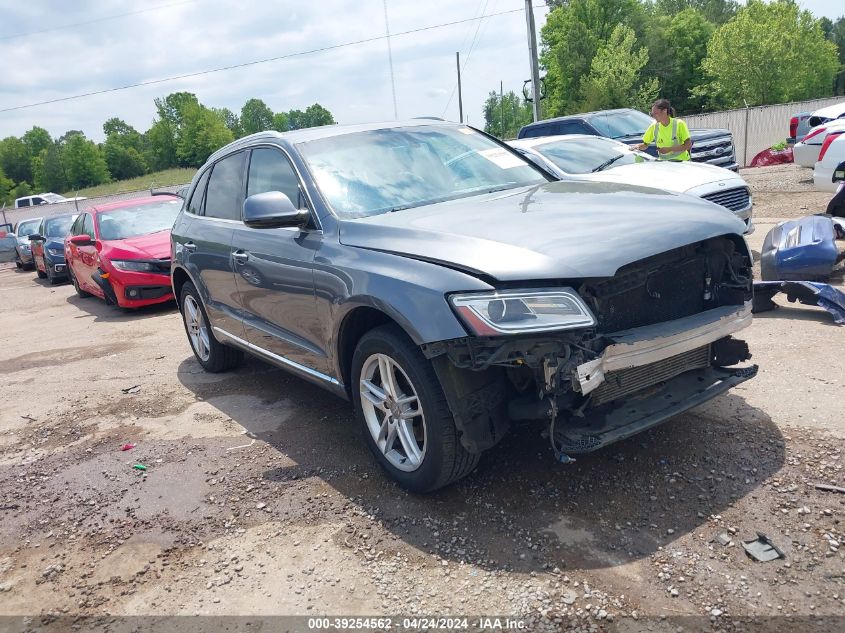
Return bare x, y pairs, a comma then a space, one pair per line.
522, 311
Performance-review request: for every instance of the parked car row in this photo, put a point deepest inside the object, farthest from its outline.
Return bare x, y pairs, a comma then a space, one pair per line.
821, 143
447, 284
119, 252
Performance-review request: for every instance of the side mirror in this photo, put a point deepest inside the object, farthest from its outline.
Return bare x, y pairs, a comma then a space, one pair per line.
80, 240
35, 237
271, 210
839, 172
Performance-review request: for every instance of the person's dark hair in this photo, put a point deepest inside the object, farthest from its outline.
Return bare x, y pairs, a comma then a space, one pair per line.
663, 104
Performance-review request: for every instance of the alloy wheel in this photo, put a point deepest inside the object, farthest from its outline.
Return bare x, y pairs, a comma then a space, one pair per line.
197, 329
393, 412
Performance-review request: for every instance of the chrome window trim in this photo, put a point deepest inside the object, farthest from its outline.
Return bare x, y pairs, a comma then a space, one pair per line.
277, 358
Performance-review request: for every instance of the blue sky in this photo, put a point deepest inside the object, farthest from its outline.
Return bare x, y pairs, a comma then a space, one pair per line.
184, 36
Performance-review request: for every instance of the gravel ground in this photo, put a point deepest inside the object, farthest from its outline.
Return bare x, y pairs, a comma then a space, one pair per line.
259, 496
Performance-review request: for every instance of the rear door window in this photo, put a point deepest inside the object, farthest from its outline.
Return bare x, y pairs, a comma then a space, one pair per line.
195, 206
224, 196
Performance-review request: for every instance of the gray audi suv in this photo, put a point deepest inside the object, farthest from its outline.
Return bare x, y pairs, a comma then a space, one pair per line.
449, 289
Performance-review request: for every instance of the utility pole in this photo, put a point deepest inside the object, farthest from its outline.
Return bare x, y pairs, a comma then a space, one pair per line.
460, 98
532, 54
502, 104
390, 61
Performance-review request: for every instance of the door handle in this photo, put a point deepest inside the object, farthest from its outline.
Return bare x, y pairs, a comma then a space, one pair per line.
189, 246
240, 257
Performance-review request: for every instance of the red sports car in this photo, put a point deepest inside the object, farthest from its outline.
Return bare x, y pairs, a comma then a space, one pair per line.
120, 252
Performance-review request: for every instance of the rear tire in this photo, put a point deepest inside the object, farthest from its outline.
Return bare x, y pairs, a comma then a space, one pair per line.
405, 419
209, 352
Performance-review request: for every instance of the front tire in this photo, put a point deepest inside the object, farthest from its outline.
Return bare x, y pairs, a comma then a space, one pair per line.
40, 273
404, 415
79, 291
209, 352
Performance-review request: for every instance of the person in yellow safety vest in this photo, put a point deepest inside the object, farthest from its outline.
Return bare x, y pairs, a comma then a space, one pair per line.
670, 134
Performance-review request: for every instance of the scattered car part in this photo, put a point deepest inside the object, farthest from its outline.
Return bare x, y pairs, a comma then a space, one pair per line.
763, 549
829, 488
806, 292
798, 250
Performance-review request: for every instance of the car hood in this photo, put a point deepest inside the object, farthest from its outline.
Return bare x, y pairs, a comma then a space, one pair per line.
679, 177
151, 246
559, 230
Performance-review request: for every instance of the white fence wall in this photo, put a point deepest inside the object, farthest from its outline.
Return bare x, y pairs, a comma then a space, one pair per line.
755, 129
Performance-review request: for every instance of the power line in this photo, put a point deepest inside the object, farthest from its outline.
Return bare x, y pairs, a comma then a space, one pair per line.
257, 61
469, 52
103, 19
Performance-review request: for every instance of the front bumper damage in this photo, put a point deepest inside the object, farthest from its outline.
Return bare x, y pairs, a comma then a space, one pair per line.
594, 389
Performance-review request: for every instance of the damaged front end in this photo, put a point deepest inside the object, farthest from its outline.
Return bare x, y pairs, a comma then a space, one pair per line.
658, 344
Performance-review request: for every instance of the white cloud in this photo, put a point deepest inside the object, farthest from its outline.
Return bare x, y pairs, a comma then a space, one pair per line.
352, 82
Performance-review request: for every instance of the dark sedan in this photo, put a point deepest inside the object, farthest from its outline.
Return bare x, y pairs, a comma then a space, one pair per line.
48, 247
442, 283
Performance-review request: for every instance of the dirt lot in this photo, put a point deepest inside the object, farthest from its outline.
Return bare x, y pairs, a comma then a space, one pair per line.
260, 498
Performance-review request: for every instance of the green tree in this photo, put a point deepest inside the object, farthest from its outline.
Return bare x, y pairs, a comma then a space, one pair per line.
615, 79
296, 120
48, 170
256, 117
6, 185
316, 115
123, 161
715, 11
571, 37
36, 139
280, 122
19, 191
15, 159
230, 120
509, 108
677, 45
174, 106
84, 163
768, 53
160, 146
203, 133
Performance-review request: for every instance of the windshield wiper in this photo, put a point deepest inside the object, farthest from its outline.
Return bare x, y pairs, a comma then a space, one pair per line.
607, 163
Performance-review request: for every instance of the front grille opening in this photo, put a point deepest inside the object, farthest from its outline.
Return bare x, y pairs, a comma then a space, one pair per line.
671, 285
734, 199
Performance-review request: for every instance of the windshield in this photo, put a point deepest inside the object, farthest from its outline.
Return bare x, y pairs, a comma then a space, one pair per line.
53, 197
28, 228
367, 173
619, 124
141, 219
58, 226
586, 155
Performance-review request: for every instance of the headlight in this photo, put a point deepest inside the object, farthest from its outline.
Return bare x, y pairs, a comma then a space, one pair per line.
128, 264
25, 247
522, 311
56, 252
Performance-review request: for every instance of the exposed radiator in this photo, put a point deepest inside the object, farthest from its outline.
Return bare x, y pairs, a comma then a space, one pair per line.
626, 381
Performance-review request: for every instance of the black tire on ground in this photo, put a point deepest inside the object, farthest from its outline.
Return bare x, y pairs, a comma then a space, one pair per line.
220, 357
79, 291
41, 275
18, 263
445, 460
